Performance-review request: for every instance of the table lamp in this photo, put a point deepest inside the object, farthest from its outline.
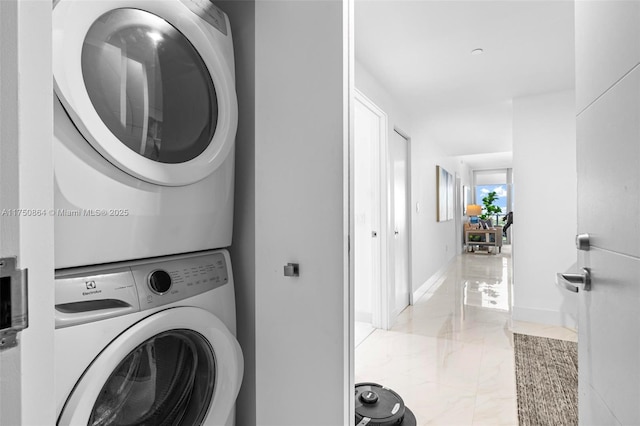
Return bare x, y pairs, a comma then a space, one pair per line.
473, 211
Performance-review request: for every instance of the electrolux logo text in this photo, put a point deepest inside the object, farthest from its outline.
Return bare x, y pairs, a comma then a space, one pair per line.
91, 285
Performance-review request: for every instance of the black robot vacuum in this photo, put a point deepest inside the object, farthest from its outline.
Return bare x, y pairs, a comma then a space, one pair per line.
380, 406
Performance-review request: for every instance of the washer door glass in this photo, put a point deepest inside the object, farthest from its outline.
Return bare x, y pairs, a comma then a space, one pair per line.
149, 85
167, 380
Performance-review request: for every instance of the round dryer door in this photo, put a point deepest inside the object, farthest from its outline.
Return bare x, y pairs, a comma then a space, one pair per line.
180, 366
148, 85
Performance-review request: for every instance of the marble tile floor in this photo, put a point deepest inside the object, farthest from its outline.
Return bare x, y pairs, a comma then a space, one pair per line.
450, 355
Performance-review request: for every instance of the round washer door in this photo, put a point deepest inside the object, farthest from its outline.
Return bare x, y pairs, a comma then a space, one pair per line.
178, 366
147, 85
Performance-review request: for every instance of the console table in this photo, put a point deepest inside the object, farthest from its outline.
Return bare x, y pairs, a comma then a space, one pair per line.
491, 237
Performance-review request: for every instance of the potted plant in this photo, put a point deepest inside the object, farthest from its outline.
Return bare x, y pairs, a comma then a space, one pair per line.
489, 210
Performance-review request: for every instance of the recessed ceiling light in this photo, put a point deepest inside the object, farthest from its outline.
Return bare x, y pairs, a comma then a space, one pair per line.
477, 52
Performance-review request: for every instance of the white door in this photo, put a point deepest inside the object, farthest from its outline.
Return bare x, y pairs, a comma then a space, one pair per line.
366, 193
399, 151
608, 154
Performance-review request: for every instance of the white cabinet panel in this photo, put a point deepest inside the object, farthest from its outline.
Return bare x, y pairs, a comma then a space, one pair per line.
299, 212
607, 45
609, 342
608, 149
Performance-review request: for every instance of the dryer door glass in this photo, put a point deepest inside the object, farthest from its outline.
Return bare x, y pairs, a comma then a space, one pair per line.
167, 380
149, 85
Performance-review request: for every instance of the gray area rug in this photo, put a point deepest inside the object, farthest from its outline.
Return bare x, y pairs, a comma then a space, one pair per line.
546, 381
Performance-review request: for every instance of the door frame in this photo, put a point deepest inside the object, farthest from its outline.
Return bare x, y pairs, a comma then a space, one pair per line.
26, 191
409, 218
380, 297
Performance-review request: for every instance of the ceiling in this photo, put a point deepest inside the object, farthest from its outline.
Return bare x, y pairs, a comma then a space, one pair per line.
420, 51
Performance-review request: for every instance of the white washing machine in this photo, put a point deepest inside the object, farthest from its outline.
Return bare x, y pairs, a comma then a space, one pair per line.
144, 123
147, 343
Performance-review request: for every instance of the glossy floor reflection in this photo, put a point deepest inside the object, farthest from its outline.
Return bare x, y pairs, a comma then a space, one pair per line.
450, 355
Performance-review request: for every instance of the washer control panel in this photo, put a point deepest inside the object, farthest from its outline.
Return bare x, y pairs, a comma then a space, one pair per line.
159, 281
168, 281
94, 293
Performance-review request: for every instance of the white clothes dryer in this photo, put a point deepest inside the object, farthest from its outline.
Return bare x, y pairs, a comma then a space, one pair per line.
147, 343
144, 122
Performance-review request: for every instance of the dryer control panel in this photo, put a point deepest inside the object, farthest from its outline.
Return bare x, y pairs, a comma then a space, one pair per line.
90, 294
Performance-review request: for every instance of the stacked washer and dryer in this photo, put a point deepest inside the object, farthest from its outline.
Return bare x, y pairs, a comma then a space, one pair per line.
145, 120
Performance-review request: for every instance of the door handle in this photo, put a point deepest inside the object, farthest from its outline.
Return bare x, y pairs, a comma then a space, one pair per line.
573, 282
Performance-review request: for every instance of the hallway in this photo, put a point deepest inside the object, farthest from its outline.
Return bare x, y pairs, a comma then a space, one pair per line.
450, 355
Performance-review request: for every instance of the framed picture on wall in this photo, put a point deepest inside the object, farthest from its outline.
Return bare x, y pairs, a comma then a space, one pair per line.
445, 204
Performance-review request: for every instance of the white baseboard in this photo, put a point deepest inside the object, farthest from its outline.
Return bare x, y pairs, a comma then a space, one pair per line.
433, 280
560, 319
363, 316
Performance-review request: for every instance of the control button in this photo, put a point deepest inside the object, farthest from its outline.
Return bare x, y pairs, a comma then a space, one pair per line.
369, 397
159, 281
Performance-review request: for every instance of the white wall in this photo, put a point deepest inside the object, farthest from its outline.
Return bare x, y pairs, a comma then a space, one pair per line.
545, 218
374, 90
301, 350
26, 170
243, 254
433, 243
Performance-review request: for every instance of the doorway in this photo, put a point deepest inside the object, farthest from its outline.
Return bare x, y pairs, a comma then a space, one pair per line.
369, 213
381, 219
399, 148
500, 182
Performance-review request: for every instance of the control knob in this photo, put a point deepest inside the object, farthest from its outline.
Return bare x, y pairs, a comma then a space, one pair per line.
159, 281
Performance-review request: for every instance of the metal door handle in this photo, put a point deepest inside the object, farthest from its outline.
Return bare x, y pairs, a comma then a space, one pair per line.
573, 282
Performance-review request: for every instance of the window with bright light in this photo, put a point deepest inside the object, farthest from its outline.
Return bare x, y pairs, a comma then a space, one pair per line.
501, 192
